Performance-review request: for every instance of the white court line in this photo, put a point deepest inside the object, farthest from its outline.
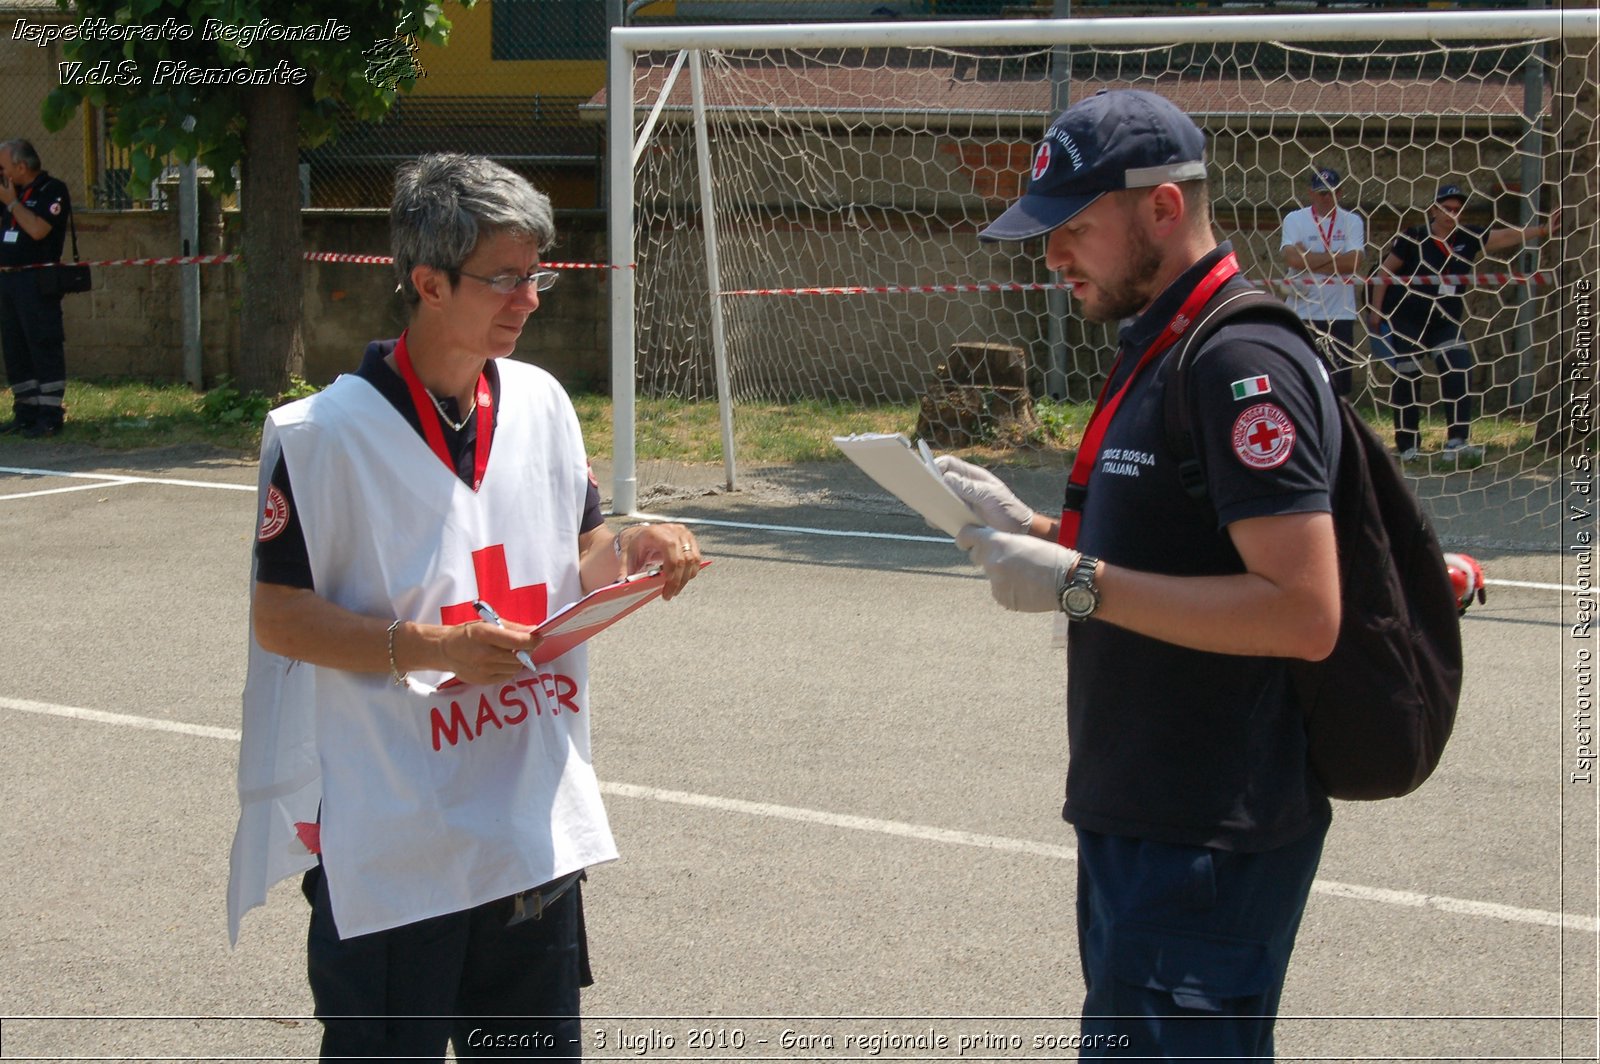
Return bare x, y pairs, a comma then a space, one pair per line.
121, 720
900, 829
802, 529
109, 480
1534, 585
62, 491
1568, 589
119, 478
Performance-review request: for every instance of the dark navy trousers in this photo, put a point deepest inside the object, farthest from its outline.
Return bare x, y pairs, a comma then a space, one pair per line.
1442, 340
466, 977
34, 342
1185, 948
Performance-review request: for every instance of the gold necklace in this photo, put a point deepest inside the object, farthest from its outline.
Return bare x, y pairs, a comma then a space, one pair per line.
456, 425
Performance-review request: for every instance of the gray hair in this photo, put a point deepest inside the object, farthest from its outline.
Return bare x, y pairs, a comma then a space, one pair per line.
444, 204
22, 153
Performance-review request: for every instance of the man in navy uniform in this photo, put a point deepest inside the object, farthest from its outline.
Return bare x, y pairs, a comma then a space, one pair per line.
37, 208
1199, 822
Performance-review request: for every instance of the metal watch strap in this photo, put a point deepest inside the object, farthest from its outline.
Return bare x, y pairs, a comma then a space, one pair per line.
1080, 596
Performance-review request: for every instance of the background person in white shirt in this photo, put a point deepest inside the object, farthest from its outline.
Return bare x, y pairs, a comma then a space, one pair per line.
1324, 242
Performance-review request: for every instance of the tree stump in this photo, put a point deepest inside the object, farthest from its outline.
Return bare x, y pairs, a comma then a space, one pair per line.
981, 395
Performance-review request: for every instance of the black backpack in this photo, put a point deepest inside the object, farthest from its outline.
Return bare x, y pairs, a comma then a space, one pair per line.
1380, 708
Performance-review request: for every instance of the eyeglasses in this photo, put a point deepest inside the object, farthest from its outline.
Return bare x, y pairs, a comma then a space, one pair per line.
507, 283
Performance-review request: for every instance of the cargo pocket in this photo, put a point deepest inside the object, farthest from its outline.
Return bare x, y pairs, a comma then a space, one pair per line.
1206, 973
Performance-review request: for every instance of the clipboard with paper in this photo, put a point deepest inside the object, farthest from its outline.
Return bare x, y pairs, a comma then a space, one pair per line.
889, 460
577, 622
595, 612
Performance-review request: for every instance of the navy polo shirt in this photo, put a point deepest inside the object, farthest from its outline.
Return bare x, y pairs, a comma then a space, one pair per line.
48, 198
1167, 743
1420, 252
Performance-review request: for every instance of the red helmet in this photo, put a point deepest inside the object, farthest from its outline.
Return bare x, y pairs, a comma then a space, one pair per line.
1466, 577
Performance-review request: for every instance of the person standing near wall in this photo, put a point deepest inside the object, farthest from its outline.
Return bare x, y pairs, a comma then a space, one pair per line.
37, 208
1322, 246
1426, 319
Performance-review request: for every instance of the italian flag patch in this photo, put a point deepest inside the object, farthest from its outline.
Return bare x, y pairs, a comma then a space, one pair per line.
1251, 386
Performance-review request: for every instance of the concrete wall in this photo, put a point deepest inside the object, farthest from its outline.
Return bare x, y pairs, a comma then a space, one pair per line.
130, 324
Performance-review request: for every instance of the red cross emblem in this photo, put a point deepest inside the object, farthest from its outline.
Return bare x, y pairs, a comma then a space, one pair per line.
1041, 160
1263, 437
529, 604
274, 515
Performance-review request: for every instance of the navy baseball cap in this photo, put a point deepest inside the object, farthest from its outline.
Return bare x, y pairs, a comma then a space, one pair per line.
1115, 139
1450, 192
1325, 179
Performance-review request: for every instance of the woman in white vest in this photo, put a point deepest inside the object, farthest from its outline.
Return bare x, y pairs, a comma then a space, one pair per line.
438, 795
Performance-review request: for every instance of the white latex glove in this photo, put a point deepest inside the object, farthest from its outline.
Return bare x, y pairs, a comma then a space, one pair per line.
1026, 573
986, 493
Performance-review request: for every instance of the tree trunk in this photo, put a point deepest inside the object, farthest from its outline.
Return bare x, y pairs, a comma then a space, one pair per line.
270, 344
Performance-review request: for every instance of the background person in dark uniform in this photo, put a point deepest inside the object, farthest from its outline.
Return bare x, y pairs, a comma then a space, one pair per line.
1199, 822
36, 207
1427, 316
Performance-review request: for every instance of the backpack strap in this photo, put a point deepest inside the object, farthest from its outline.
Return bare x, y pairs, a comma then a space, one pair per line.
1232, 304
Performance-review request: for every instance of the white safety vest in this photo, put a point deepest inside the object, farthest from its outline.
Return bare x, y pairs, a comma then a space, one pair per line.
429, 804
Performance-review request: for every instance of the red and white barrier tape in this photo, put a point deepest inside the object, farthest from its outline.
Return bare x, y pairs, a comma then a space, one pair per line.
1481, 280
896, 289
1478, 280
310, 256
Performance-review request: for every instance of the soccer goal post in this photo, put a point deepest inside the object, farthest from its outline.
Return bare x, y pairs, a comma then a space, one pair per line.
797, 209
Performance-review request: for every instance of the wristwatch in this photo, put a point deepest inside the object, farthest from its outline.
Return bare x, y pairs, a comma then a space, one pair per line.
1080, 596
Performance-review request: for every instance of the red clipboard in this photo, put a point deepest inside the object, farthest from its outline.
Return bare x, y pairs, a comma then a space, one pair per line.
595, 612
579, 621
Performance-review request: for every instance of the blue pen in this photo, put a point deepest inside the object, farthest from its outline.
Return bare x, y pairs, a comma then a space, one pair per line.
487, 613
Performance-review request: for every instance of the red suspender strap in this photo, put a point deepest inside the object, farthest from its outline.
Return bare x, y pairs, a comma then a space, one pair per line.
429, 417
1094, 435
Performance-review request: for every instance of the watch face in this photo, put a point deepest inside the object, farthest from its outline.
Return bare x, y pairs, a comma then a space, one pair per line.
1079, 601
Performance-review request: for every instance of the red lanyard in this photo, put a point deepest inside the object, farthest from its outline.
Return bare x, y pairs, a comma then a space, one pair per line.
1094, 435
1325, 234
429, 416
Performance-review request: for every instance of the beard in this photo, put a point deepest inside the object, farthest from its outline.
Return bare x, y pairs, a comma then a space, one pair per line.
1128, 291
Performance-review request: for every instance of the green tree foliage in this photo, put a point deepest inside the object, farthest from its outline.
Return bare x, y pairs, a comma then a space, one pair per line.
242, 84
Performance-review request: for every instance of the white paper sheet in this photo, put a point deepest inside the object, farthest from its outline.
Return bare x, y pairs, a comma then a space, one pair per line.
889, 459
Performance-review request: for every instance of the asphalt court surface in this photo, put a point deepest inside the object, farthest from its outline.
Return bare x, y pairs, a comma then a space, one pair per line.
834, 772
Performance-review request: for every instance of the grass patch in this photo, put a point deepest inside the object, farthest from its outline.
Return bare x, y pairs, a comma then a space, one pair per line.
132, 414
801, 431
127, 415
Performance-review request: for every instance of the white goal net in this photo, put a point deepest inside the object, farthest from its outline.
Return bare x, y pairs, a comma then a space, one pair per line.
804, 202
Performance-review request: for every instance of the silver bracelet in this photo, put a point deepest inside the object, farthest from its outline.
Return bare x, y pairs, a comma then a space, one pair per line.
394, 667
617, 541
